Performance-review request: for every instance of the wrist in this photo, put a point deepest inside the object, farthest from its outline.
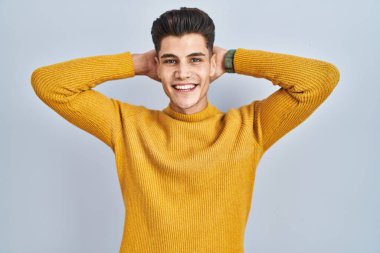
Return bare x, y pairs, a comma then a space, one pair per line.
229, 61
139, 64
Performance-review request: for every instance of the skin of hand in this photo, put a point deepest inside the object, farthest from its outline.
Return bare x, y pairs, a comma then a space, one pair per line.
220, 69
145, 64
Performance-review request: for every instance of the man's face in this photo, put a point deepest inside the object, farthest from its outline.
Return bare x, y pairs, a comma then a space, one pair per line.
185, 61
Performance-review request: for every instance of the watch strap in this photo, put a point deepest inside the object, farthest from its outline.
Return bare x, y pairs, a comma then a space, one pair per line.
229, 61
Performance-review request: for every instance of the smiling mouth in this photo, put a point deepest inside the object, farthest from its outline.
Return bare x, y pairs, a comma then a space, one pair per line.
184, 87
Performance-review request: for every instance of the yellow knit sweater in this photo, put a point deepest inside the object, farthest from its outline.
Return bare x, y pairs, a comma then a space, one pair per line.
186, 180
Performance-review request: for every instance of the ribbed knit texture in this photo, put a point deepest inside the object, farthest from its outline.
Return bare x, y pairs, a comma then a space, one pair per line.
186, 180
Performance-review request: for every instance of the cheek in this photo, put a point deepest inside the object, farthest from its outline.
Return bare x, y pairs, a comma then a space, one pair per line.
205, 74
166, 77
166, 80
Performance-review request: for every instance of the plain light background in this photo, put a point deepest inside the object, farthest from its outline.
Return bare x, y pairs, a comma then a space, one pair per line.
316, 190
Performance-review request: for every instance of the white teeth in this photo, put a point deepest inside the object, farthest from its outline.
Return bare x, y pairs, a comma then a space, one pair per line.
184, 87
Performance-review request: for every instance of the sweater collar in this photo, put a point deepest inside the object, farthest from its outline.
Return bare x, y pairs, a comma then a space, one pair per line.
209, 111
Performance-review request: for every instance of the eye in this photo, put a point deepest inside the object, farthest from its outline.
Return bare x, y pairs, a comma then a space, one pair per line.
196, 59
169, 61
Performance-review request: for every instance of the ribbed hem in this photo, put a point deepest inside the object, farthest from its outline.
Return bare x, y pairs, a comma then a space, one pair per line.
126, 64
245, 60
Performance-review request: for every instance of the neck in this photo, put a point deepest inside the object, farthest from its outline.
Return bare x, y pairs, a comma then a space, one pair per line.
200, 106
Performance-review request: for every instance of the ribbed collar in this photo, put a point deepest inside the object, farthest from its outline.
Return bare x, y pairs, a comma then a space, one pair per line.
209, 111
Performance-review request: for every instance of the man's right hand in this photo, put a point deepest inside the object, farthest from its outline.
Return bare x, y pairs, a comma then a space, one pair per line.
145, 64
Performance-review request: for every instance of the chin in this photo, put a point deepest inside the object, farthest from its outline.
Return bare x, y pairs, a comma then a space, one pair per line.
185, 104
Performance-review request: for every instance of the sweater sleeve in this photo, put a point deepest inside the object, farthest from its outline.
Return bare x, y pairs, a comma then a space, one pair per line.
66, 87
304, 83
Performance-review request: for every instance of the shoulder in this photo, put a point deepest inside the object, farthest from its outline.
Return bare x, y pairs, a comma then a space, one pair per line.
126, 109
244, 112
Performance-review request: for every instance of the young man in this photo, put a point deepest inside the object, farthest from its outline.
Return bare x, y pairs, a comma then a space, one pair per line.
186, 172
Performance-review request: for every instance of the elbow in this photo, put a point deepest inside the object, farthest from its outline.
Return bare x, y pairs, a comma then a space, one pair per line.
329, 79
326, 81
333, 74
36, 77
37, 81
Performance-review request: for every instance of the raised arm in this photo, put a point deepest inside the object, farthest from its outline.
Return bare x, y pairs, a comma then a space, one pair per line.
66, 87
304, 85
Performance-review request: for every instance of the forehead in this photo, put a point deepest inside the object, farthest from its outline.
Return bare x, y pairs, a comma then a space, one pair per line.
184, 45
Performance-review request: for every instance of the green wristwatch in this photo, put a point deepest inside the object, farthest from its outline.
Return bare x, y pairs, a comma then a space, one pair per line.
229, 61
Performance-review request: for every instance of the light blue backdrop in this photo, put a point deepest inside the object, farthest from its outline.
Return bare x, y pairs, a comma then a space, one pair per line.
316, 190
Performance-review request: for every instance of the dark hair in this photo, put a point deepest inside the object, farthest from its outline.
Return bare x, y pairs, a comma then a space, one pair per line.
183, 21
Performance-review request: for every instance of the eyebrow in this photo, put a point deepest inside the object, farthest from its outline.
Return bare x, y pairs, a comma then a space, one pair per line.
173, 55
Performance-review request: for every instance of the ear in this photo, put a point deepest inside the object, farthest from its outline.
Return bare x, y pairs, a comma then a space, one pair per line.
156, 60
213, 65
158, 66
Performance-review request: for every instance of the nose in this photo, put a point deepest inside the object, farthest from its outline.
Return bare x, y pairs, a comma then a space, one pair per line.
182, 71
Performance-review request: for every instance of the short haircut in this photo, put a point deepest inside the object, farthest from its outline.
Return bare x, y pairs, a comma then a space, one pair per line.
183, 21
